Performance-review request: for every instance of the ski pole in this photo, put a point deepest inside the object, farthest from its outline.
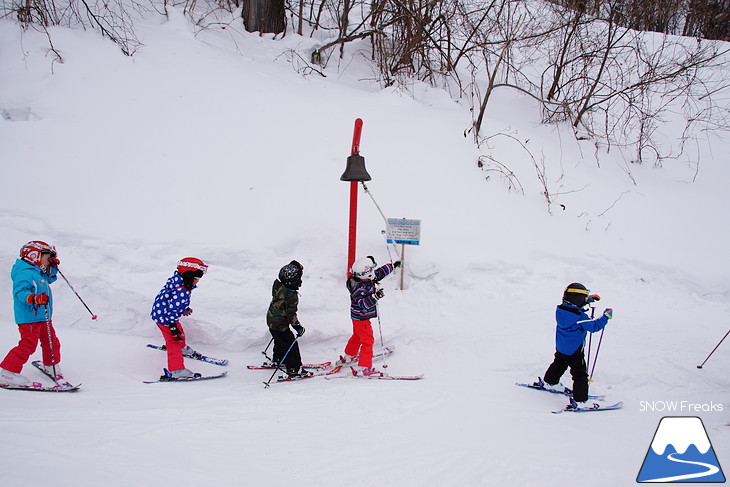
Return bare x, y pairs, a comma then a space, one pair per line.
590, 339
713, 350
268, 382
50, 340
267, 348
93, 316
380, 330
598, 349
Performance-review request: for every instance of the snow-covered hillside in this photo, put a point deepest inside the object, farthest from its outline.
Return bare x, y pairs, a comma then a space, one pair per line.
209, 144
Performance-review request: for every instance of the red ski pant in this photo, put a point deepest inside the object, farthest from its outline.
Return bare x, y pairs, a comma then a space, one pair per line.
175, 360
30, 335
361, 342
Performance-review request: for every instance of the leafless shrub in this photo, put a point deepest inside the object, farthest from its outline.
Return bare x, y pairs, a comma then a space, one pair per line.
708, 19
585, 62
617, 84
112, 18
490, 164
302, 65
580, 60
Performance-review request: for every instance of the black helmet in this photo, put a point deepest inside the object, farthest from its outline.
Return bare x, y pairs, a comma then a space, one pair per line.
291, 275
576, 294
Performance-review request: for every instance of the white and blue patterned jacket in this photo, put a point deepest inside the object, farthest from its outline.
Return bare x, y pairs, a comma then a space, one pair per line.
171, 302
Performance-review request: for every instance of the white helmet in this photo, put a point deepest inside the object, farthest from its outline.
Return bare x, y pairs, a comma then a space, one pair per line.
364, 268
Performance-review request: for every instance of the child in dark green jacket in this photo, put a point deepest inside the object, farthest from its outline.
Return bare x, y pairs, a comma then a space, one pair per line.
282, 314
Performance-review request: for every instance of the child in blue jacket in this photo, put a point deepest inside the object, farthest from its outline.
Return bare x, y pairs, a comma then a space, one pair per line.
32, 275
573, 324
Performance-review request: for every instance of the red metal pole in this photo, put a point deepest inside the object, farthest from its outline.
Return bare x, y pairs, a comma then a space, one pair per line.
352, 239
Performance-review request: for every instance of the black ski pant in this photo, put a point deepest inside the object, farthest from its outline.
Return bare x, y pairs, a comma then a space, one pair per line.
283, 339
578, 371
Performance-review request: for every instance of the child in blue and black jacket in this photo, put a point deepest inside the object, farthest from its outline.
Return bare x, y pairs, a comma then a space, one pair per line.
573, 324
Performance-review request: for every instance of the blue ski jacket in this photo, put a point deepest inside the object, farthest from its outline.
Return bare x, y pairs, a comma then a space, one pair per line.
171, 302
363, 303
30, 279
573, 324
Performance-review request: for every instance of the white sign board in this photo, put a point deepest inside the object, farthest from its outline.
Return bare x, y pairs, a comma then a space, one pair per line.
404, 231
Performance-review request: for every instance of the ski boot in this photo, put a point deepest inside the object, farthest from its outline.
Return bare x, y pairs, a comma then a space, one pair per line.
296, 372
559, 387
12, 378
573, 405
345, 360
366, 372
53, 371
180, 374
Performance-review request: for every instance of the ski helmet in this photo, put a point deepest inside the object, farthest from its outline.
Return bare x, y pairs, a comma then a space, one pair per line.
364, 268
32, 251
576, 294
291, 275
191, 264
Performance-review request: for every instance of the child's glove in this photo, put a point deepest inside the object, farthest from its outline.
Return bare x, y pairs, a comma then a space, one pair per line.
188, 312
299, 329
608, 313
38, 299
176, 333
379, 294
397, 263
593, 298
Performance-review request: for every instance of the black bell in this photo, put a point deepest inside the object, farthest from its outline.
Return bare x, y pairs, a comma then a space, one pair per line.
355, 170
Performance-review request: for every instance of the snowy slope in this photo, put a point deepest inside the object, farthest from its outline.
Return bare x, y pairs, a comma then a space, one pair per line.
212, 145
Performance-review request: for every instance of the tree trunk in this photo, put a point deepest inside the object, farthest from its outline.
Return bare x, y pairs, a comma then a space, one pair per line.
265, 16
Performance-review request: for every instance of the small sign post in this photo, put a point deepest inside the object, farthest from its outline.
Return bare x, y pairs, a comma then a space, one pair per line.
403, 231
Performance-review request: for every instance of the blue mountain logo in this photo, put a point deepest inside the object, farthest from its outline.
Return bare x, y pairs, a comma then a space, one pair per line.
681, 452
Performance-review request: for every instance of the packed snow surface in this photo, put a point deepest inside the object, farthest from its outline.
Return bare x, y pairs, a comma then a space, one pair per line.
210, 144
